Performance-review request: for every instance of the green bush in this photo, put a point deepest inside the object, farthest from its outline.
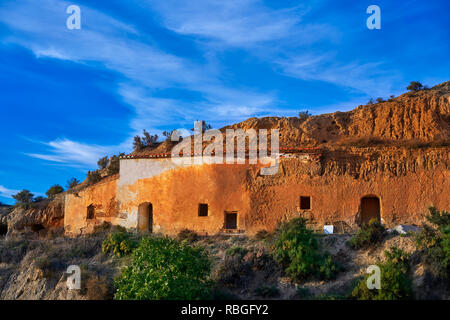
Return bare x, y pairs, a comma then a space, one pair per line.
164, 268
102, 163
297, 249
72, 183
54, 190
24, 198
187, 235
434, 239
414, 86
395, 282
119, 243
93, 177
236, 250
369, 234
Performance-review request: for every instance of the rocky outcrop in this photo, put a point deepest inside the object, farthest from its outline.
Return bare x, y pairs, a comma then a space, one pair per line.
47, 214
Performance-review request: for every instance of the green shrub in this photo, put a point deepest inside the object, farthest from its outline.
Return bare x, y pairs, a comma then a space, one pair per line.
114, 164
395, 282
164, 268
54, 190
102, 163
369, 234
119, 243
236, 250
414, 86
434, 239
24, 198
187, 235
72, 183
267, 292
297, 249
93, 177
262, 235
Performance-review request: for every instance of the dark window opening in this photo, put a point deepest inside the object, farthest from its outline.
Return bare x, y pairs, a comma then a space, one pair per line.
37, 227
305, 203
230, 220
3, 229
202, 210
90, 212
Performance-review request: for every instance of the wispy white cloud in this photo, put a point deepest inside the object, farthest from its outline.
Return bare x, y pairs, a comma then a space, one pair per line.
7, 193
106, 42
234, 22
370, 78
66, 151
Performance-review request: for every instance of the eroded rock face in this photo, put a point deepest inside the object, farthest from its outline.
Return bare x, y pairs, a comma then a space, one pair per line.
47, 214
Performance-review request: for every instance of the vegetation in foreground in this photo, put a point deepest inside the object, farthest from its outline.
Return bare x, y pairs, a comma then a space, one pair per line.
164, 268
218, 267
395, 281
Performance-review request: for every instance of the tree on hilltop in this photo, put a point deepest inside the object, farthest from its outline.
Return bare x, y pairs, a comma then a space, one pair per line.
414, 86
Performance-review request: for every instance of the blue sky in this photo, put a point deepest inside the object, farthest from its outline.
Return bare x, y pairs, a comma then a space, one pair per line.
69, 97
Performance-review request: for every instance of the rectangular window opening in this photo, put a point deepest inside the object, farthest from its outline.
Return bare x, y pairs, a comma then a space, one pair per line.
203, 210
305, 203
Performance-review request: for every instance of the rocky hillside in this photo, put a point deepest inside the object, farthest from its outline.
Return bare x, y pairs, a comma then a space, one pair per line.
420, 117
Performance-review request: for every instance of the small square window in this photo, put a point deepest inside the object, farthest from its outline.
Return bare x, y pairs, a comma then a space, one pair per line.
203, 210
305, 203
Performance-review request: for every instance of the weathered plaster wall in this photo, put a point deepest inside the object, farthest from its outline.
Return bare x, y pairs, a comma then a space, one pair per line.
406, 184
176, 193
102, 196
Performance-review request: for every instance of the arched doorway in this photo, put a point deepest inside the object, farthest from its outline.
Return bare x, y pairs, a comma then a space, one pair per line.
145, 217
370, 209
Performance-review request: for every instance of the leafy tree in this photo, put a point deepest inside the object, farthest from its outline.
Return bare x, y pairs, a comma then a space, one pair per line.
114, 164
54, 190
168, 134
145, 141
149, 139
205, 126
379, 100
102, 163
137, 143
38, 199
434, 239
414, 86
165, 269
93, 177
395, 283
72, 183
303, 115
23, 198
298, 250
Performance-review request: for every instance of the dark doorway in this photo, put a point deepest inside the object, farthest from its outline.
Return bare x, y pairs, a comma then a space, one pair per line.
90, 212
370, 209
145, 217
230, 220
